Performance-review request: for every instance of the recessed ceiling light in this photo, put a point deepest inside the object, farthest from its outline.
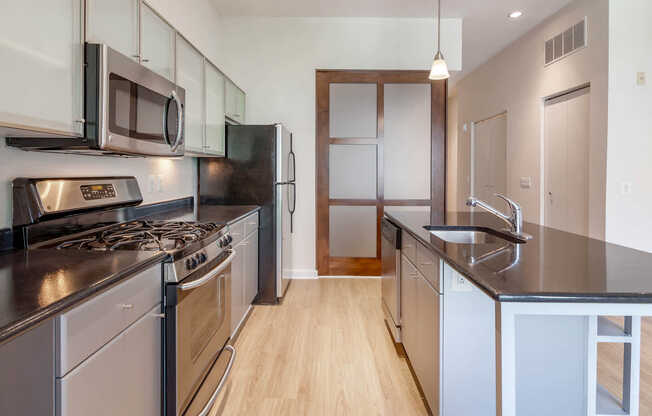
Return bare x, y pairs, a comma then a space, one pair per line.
515, 14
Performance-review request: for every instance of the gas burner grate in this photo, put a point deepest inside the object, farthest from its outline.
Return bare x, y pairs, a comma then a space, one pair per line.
144, 235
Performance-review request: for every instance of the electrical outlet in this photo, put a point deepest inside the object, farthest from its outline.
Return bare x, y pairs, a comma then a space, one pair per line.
641, 78
460, 284
151, 183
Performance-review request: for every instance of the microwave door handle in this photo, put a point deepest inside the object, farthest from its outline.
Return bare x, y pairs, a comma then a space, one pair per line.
180, 115
208, 276
166, 111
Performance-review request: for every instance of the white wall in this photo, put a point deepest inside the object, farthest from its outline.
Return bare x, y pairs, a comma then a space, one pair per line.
516, 81
629, 156
274, 60
198, 21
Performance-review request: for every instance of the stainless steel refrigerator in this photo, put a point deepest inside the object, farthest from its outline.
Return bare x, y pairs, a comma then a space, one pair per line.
259, 169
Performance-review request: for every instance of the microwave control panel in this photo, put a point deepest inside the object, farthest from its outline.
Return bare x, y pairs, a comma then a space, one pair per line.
98, 191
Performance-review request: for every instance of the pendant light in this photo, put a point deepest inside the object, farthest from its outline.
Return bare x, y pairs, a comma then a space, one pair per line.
439, 69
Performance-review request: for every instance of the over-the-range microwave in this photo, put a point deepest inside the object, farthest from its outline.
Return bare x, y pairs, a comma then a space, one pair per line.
128, 110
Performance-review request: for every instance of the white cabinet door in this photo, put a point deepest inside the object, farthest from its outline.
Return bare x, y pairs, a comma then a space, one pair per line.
251, 268
115, 23
122, 378
190, 76
235, 102
215, 125
157, 40
237, 286
41, 53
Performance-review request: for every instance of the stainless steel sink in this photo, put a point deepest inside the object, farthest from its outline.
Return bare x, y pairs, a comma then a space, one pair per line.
466, 237
471, 235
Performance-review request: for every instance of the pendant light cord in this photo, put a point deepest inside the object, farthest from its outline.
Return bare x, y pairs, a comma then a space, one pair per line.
438, 25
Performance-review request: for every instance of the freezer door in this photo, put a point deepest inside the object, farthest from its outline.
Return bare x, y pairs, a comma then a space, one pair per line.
285, 205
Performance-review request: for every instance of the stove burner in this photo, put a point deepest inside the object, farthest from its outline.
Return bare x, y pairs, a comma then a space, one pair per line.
144, 235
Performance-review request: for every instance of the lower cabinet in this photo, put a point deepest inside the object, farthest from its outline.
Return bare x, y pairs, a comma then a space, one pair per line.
244, 270
420, 330
122, 378
27, 373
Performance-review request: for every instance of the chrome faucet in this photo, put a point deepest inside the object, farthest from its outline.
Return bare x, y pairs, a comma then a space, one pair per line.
515, 219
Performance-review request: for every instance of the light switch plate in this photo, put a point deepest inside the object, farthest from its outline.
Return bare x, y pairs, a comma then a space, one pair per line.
526, 182
625, 188
641, 78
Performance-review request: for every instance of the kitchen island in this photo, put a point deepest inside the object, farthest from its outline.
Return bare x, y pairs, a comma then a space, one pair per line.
520, 323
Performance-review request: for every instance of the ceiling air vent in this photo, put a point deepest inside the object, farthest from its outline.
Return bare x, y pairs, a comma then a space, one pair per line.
566, 42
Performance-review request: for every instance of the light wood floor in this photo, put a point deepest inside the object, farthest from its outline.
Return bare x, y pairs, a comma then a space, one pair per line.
324, 351
610, 366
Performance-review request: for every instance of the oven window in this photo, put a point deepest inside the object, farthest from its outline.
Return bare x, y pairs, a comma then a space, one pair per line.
206, 315
137, 112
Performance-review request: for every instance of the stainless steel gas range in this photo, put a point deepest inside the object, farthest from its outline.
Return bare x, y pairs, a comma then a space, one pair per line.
60, 213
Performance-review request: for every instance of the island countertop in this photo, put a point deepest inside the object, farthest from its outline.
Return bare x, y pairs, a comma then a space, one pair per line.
554, 266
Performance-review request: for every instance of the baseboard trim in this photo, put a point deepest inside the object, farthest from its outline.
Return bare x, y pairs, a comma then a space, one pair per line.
303, 274
350, 277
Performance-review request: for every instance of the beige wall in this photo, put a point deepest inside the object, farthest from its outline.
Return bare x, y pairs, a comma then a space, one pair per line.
274, 59
199, 22
516, 81
630, 125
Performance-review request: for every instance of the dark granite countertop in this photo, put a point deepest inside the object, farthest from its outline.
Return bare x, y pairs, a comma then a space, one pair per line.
37, 284
554, 266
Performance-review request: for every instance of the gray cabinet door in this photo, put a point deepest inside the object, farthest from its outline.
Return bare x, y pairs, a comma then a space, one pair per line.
42, 54
426, 362
251, 269
122, 378
27, 373
409, 329
237, 285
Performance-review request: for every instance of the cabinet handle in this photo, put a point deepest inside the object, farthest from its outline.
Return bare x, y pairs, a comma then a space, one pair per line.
126, 305
81, 121
426, 263
407, 246
158, 315
135, 56
144, 60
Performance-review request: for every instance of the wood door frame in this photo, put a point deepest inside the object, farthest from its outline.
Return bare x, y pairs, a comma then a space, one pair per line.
325, 264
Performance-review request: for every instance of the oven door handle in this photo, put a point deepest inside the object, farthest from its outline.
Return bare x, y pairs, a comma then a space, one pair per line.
208, 276
216, 393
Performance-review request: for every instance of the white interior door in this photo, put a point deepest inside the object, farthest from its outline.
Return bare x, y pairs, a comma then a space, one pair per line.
566, 166
490, 159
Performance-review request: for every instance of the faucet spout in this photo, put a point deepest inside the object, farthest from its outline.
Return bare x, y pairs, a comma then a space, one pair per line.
514, 220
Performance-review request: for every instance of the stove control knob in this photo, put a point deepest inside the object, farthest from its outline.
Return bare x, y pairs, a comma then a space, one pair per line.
202, 257
229, 238
188, 264
193, 263
220, 243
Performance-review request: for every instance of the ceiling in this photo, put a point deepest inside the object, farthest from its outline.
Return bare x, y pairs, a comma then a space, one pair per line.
486, 27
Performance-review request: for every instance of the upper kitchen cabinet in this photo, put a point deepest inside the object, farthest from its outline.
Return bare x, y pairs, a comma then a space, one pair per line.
114, 23
41, 82
215, 122
235, 102
190, 76
157, 39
